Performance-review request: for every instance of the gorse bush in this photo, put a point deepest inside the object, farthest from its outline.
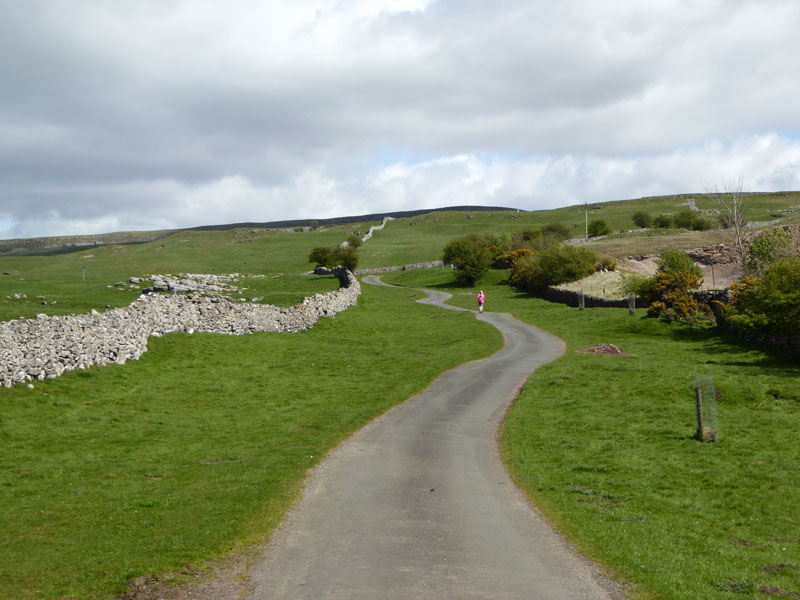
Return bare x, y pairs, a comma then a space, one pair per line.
672, 297
507, 259
552, 266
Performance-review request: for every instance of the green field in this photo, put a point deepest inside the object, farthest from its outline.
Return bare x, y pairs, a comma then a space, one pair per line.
197, 449
604, 446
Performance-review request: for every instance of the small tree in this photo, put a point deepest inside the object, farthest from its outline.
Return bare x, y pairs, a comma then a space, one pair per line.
731, 200
642, 219
470, 257
598, 227
354, 241
323, 256
347, 257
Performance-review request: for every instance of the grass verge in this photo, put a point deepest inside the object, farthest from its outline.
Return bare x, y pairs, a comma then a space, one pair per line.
604, 446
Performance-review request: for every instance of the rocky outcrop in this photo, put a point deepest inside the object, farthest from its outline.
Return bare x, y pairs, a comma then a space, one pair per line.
49, 346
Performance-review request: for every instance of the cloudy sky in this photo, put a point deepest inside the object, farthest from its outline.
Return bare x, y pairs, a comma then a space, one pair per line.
150, 114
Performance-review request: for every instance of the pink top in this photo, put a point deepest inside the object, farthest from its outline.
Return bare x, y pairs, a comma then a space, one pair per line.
481, 298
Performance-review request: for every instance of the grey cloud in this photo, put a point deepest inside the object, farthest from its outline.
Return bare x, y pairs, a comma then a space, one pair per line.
108, 106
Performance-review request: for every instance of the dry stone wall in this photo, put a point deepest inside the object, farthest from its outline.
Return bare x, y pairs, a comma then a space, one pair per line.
49, 346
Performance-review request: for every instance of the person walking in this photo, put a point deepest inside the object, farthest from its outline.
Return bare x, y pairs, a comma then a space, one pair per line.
481, 300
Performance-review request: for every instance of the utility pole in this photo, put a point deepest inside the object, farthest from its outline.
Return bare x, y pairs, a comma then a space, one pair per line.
586, 238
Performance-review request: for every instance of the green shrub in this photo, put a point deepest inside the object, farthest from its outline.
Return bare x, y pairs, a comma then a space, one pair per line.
644, 287
323, 256
354, 241
688, 219
598, 227
642, 219
675, 261
768, 247
347, 257
662, 222
771, 303
556, 230
329, 257
552, 266
470, 256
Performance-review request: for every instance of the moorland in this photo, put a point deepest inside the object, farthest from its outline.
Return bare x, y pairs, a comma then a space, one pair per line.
195, 451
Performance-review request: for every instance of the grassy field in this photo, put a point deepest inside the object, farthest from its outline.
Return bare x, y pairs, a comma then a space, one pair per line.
206, 439
202, 444
604, 446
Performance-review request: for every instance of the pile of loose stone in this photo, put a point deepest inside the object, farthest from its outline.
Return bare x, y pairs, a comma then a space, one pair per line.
48, 346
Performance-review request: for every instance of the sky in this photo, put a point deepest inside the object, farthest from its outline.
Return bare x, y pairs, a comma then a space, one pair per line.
140, 115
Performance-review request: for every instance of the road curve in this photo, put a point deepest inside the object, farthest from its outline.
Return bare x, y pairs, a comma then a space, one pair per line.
418, 504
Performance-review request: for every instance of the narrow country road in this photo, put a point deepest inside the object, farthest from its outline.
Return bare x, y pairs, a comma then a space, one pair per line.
418, 504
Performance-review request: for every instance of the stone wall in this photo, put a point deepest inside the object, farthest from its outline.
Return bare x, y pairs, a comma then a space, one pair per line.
425, 265
49, 346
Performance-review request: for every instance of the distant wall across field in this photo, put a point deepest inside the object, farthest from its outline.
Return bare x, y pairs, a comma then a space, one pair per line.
571, 298
424, 265
49, 346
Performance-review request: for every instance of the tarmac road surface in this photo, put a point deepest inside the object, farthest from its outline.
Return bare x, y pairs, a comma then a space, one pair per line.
418, 504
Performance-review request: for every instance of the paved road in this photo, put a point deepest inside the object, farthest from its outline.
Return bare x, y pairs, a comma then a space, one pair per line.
418, 504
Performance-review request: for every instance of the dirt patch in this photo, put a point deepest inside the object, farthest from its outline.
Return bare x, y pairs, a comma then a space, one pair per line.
608, 349
224, 579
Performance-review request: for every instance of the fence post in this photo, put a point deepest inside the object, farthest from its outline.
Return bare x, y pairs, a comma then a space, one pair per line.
699, 399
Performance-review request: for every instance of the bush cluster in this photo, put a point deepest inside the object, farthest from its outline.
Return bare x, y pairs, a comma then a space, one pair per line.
770, 303
552, 266
329, 257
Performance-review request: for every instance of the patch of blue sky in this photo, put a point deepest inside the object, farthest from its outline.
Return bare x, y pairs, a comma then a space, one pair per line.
6, 226
390, 155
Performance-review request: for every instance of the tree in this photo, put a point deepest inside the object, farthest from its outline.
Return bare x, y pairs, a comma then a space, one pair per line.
598, 227
470, 257
731, 200
354, 241
347, 257
322, 256
642, 219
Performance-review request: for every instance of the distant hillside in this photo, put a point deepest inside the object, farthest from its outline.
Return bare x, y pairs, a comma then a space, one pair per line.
71, 243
